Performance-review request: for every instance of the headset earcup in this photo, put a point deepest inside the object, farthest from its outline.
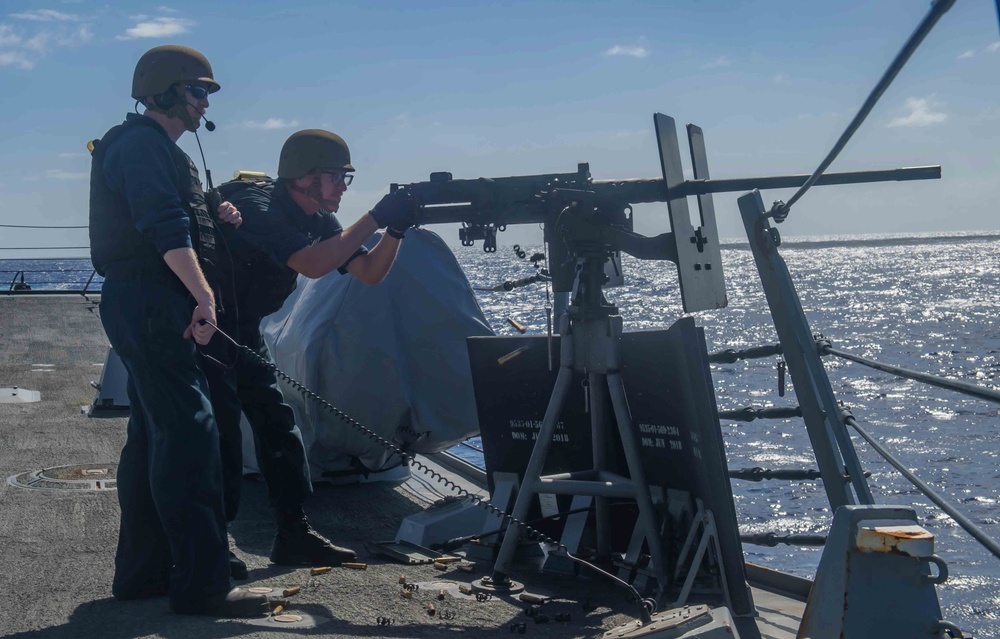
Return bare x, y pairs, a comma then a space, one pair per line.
167, 99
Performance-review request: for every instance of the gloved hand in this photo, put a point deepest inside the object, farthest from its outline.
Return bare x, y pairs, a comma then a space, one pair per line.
399, 228
393, 208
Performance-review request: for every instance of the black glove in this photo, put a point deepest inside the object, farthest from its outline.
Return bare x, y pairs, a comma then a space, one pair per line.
399, 228
392, 209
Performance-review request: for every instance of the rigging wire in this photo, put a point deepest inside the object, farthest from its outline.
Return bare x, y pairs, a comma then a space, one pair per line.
780, 209
27, 226
40, 248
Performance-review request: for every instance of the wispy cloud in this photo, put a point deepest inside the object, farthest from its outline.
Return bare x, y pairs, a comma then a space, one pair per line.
993, 48
8, 38
402, 121
47, 15
73, 155
23, 48
967, 54
779, 78
57, 174
16, 59
160, 27
718, 63
922, 113
637, 50
270, 124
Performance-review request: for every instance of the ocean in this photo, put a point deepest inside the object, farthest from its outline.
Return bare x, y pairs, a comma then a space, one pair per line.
923, 302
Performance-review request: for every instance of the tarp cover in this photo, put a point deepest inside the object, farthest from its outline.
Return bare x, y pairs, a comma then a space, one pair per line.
391, 356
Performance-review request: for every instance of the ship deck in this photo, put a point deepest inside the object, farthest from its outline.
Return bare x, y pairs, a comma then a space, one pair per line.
57, 546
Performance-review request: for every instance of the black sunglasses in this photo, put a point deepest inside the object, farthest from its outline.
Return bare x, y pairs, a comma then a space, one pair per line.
197, 91
340, 176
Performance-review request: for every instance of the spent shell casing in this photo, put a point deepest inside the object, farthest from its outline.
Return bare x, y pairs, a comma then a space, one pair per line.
320, 571
355, 566
288, 592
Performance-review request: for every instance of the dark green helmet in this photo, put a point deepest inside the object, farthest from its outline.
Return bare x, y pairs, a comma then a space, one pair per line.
313, 149
162, 67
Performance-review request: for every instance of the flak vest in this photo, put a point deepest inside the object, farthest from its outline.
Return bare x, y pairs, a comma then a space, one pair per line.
129, 244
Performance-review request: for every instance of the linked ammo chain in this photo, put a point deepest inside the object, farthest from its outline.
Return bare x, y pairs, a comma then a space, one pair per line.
427, 470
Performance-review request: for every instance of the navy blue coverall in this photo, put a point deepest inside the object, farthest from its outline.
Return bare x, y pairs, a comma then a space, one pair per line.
274, 227
173, 527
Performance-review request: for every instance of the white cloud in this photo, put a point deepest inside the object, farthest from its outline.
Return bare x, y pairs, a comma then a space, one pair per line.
270, 124
7, 36
966, 55
718, 63
25, 49
82, 35
47, 15
635, 51
993, 48
56, 174
921, 113
401, 121
156, 28
73, 155
16, 59
779, 78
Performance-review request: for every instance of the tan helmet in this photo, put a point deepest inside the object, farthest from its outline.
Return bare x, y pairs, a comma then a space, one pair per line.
313, 149
162, 67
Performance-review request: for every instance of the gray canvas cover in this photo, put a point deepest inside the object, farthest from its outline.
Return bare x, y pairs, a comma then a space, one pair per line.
391, 356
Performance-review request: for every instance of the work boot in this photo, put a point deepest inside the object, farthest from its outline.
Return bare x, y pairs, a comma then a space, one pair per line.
235, 604
297, 544
237, 567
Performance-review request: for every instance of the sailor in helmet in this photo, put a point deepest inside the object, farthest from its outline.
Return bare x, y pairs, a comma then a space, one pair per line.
289, 227
153, 240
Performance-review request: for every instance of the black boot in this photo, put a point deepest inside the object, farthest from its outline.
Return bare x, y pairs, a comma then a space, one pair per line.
237, 567
297, 544
235, 604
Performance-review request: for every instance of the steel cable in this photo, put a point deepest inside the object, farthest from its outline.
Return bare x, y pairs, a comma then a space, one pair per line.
951, 511
938, 9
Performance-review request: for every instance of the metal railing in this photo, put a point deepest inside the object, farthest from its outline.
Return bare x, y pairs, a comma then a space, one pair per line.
50, 281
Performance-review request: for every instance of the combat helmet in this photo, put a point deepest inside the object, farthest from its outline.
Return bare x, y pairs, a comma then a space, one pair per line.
162, 67
312, 149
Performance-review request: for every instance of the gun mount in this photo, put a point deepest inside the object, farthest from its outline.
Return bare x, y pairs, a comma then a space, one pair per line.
577, 210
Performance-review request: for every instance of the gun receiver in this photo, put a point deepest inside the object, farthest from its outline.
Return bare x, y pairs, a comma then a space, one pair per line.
485, 206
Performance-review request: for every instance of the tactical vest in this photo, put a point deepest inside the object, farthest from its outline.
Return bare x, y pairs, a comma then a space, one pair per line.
130, 244
262, 284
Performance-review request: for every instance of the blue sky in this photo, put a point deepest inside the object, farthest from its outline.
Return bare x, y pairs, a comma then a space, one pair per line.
508, 88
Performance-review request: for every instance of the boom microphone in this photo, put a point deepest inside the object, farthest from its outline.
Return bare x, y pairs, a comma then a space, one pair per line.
209, 125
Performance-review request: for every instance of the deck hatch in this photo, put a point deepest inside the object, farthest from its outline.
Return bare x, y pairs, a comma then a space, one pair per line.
78, 477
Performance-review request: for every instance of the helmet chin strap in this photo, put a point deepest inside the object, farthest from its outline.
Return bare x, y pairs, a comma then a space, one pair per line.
314, 192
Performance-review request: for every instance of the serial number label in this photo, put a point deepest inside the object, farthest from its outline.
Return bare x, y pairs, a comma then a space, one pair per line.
659, 429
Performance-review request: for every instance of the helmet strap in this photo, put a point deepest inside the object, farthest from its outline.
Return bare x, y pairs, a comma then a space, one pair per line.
314, 191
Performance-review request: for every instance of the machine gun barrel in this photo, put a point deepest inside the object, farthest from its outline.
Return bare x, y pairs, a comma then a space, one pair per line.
647, 190
516, 199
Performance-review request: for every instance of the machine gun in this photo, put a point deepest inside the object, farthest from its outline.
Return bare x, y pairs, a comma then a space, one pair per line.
580, 213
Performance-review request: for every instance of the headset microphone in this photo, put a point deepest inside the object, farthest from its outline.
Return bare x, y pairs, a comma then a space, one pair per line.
209, 125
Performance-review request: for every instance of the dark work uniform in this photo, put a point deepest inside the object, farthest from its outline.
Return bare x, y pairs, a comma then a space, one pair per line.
274, 228
144, 195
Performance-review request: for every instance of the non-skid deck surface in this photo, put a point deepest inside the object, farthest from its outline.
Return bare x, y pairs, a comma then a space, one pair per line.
57, 548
